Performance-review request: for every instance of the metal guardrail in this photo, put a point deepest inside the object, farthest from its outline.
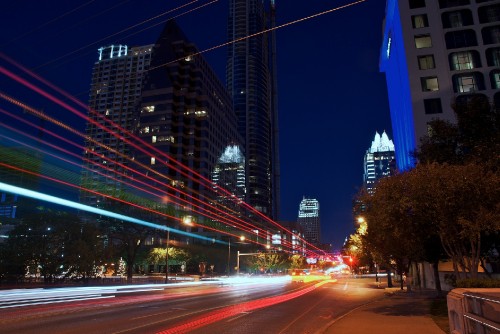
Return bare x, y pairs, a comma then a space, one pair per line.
474, 311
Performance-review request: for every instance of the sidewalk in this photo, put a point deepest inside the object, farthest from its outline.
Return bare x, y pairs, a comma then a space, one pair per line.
399, 312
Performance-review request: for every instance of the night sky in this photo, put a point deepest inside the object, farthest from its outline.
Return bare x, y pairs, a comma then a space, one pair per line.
332, 97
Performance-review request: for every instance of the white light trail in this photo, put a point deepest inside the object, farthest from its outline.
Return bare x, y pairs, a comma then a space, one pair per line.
64, 202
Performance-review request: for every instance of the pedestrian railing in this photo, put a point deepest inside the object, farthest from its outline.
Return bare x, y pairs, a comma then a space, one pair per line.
474, 311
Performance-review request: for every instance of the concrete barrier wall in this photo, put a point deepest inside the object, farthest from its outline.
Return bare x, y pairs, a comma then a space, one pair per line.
474, 311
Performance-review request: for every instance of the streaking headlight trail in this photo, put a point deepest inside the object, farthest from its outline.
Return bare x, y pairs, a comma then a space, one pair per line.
64, 202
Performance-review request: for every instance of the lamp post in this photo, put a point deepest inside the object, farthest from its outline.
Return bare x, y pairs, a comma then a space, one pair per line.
229, 257
166, 256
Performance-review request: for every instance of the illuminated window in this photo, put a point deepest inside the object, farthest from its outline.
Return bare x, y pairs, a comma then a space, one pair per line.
148, 109
457, 18
419, 21
426, 62
153, 160
468, 82
429, 84
153, 139
465, 60
423, 41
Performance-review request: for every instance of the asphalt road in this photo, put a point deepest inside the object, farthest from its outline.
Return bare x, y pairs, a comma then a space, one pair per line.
280, 307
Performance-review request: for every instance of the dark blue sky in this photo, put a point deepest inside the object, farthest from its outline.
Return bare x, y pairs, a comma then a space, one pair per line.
332, 97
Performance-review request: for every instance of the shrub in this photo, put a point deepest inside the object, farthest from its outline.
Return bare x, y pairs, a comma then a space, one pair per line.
478, 283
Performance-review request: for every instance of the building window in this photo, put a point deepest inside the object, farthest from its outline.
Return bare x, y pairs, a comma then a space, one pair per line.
468, 82
426, 62
457, 18
147, 109
495, 79
429, 84
419, 21
153, 160
416, 4
460, 39
491, 35
493, 57
465, 60
423, 41
453, 3
488, 14
433, 106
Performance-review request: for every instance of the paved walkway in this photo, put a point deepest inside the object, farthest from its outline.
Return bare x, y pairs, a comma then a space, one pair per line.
396, 313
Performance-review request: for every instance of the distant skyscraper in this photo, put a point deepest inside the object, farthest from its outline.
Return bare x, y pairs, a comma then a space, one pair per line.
379, 160
433, 52
251, 81
114, 94
229, 173
309, 220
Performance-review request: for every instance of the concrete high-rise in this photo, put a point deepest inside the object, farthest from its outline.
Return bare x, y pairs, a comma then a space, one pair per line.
114, 94
309, 220
379, 160
251, 81
435, 53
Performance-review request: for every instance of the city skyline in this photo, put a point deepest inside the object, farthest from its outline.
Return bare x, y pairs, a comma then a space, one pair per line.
309, 121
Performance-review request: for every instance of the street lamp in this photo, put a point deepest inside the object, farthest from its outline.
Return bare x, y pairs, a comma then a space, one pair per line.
229, 257
166, 256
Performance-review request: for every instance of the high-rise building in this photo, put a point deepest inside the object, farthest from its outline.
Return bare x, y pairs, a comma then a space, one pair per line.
379, 160
251, 81
168, 108
290, 237
229, 173
435, 53
185, 112
309, 220
114, 94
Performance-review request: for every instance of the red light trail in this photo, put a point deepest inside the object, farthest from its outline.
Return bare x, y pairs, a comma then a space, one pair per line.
234, 310
143, 144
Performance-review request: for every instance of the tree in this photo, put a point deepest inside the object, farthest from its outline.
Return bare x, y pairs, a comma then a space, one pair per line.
462, 203
392, 234
83, 251
269, 262
475, 137
158, 255
297, 261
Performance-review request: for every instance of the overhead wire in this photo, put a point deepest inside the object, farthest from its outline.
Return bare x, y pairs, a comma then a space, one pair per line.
246, 37
48, 23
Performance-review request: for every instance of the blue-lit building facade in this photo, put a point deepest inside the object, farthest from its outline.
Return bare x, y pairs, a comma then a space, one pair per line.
433, 53
251, 82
